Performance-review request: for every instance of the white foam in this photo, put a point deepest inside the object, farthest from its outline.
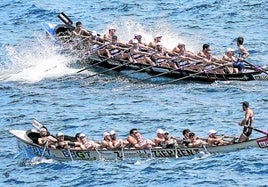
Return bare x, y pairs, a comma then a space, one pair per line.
35, 62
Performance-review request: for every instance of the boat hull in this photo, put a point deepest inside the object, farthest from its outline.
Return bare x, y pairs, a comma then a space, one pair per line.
66, 154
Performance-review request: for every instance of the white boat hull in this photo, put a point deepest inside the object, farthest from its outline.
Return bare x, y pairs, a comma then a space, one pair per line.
64, 154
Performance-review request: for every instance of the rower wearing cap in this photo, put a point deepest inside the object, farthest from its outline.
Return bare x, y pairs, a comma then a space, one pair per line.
46, 139
247, 122
162, 58
159, 140
110, 34
85, 144
138, 37
228, 59
61, 144
157, 39
214, 140
107, 141
140, 56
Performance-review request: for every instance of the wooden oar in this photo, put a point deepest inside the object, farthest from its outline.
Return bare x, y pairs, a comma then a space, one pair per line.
158, 75
189, 76
116, 67
44, 150
92, 65
256, 67
142, 69
258, 130
65, 19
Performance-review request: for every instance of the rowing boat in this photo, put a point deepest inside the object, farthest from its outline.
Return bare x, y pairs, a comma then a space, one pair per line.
27, 141
250, 73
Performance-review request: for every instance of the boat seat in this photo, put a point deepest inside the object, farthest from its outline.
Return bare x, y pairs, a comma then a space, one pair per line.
33, 135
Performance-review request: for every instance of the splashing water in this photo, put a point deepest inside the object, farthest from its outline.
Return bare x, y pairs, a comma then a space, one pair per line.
35, 62
170, 38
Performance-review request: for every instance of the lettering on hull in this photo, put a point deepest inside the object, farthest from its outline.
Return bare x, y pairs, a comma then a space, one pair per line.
263, 143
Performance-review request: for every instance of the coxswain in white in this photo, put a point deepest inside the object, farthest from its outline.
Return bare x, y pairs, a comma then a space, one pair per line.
242, 51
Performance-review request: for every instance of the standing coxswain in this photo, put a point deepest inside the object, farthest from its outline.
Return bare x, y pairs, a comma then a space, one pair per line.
247, 122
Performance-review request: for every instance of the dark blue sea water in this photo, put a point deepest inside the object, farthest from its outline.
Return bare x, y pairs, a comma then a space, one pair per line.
36, 81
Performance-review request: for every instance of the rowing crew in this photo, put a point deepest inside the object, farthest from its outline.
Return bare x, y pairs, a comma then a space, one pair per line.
134, 140
155, 54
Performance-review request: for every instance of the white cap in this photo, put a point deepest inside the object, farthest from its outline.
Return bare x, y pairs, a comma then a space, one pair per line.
134, 41
160, 131
106, 134
112, 28
166, 132
112, 132
180, 43
43, 129
157, 36
212, 131
94, 33
82, 135
229, 49
60, 134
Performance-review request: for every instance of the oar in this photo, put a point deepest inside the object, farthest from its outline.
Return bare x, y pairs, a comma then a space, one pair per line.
189, 76
69, 151
92, 65
43, 153
258, 130
256, 67
95, 63
158, 75
65, 19
147, 67
116, 67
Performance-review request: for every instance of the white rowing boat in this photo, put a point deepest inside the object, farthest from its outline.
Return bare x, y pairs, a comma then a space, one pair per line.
27, 141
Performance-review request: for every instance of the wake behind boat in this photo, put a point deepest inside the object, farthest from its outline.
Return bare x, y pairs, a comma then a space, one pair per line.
88, 50
27, 140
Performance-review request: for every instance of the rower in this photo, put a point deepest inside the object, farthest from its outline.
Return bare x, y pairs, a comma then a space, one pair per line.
46, 139
135, 140
80, 32
195, 142
162, 58
214, 140
157, 39
138, 37
228, 59
159, 140
117, 50
117, 143
107, 141
140, 56
110, 34
85, 144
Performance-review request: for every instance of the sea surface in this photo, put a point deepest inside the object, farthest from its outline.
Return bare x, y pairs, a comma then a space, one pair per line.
37, 81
